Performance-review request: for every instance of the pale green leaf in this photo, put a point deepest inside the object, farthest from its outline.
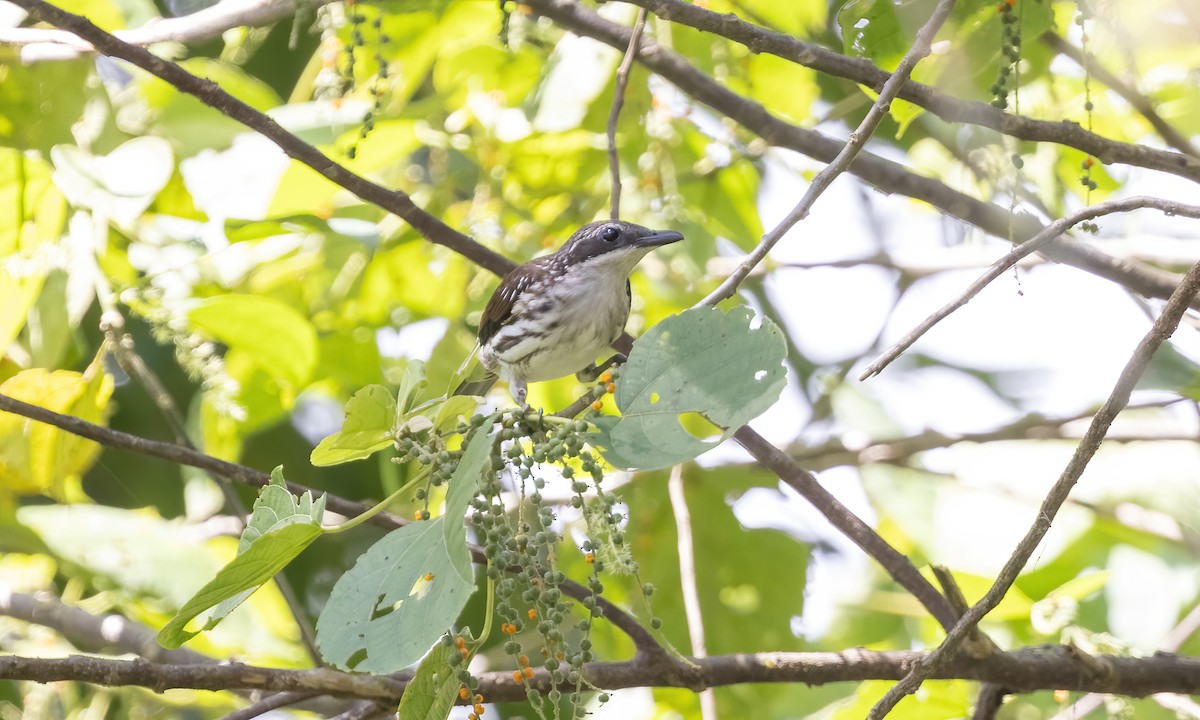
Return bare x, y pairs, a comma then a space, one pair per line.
267, 556
370, 414
430, 694
407, 589
281, 340
703, 372
1081, 586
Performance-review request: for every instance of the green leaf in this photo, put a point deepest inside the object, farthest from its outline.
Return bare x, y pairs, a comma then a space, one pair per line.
267, 556
430, 695
280, 527
1081, 586
407, 589
411, 383
280, 339
274, 508
370, 414
703, 367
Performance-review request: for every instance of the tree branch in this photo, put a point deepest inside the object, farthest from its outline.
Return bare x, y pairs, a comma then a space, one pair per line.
883, 174
1046, 236
1137, 100
641, 637
393, 201
614, 162
1162, 329
858, 139
1025, 670
950, 109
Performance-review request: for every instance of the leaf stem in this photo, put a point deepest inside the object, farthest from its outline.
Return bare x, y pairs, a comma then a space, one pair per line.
378, 508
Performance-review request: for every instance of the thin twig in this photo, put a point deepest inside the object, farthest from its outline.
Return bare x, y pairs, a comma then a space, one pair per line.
687, 580
1037, 242
888, 176
184, 456
614, 163
269, 703
1162, 329
858, 139
945, 106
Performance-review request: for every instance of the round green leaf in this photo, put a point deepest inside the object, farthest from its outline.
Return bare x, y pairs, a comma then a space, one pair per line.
280, 339
703, 367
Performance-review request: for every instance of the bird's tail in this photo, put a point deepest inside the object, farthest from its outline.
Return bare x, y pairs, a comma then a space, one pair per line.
472, 378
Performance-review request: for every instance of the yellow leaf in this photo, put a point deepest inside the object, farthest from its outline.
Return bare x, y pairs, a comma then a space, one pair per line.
40, 458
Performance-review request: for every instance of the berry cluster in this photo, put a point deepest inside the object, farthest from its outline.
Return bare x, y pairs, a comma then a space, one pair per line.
379, 83
1010, 49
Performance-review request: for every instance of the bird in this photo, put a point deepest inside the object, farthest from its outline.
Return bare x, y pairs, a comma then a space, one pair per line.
552, 316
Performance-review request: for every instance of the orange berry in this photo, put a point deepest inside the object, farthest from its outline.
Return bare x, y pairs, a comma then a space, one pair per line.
610, 388
523, 660
459, 642
606, 377
464, 693
472, 716
1089, 162
532, 614
417, 515
527, 672
590, 557
508, 628
465, 652
517, 676
428, 577
478, 698
597, 406
478, 709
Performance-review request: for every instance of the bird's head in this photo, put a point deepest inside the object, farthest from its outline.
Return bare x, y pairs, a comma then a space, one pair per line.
613, 244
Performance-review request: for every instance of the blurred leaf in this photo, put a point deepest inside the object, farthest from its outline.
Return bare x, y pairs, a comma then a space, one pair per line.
405, 591
280, 340
40, 458
38, 209
39, 103
17, 295
370, 416
120, 185
703, 363
431, 693
1082, 586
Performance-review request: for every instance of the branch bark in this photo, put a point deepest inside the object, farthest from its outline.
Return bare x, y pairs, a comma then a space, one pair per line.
1162, 329
950, 109
1025, 670
884, 174
858, 139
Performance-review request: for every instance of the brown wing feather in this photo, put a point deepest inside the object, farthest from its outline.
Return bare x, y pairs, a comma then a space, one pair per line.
499, 310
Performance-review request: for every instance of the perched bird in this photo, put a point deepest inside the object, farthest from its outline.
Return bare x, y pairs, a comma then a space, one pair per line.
552, 316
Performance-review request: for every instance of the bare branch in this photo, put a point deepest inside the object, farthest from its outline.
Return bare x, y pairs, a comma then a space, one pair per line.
686, 550
614, 162
211, 94
1162, 329
184, 456
1037, 242
883, 174
858, 139
950, 109
1138, 101
200, 26
1025, 670
269, 703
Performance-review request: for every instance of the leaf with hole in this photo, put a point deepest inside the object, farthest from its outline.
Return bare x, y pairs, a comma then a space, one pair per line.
407, 589
689, 384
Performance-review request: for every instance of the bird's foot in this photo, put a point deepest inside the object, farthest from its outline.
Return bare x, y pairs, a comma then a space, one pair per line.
591, 373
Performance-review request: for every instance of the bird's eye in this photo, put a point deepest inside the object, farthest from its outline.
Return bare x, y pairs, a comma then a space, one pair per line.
610, 234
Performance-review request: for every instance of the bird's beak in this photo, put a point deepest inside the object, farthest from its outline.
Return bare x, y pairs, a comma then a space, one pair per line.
657, 238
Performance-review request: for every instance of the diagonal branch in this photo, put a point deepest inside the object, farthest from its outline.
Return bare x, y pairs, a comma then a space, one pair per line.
884, 174
211, 94
180, 455
1037, 242
948, 108
1162, 329
858, 139
1137, 100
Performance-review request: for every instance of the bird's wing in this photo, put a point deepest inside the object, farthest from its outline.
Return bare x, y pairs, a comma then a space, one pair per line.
499, 309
